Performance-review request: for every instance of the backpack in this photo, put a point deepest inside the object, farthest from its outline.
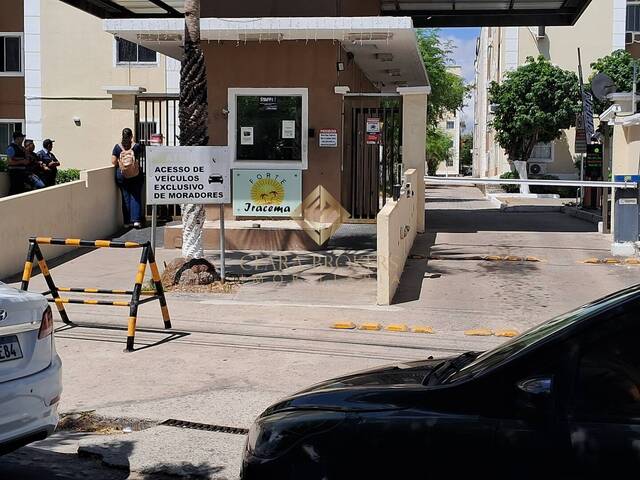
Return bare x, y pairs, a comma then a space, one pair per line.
128, 164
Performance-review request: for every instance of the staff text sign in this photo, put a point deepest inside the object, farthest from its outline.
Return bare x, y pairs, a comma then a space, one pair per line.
199, 175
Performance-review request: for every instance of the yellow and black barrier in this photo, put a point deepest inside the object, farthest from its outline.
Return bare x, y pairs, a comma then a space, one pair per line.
147, 257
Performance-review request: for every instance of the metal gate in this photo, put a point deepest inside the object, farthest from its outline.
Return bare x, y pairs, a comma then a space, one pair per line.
372, 161
156, 122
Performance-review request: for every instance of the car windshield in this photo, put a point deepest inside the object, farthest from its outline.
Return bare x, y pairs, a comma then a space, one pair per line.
498, 355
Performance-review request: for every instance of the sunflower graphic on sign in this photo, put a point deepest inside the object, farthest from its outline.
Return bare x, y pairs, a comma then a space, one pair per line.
267, 191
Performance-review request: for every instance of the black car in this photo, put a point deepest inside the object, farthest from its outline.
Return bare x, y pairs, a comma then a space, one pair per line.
216, 179
559, 401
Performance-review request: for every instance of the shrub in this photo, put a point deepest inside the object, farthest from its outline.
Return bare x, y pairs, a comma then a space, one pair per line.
67, 175
564, 192
3, 163
510, 176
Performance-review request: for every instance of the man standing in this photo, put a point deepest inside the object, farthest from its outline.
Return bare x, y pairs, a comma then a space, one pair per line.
17, 165
50, 163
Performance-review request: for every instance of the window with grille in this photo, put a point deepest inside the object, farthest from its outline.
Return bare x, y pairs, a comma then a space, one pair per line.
542, 152
633, 16
129, 52
451, 125
10, 54
6, 133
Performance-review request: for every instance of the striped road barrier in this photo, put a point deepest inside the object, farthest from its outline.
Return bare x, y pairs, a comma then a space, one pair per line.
147, 258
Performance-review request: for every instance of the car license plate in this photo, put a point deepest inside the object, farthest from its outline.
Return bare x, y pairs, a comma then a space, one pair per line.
9, 348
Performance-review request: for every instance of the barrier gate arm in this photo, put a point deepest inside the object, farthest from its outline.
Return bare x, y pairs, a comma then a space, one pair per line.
147, 257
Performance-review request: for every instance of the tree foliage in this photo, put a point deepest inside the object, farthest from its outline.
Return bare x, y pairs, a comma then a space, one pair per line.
448, 90
533, 104
466, 150
619, 67
439, 145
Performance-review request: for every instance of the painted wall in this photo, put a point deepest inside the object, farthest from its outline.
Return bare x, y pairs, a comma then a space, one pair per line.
77, 205
396, 232
12, 88
290, 8
75, 88
593, 33
598, 32
288, 64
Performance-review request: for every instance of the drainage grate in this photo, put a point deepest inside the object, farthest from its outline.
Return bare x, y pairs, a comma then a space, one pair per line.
204, 426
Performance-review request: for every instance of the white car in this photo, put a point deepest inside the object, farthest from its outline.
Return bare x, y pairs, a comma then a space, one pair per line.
30, 369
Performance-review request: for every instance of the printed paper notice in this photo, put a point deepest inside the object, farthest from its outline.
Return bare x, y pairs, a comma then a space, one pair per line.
328, 137
246, 136
288, 129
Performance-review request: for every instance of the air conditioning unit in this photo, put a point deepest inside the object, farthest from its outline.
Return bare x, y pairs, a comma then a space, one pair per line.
631, 37
537, 168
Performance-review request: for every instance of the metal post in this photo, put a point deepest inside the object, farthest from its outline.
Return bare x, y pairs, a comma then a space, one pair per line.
605, 176
154, 225
222, 252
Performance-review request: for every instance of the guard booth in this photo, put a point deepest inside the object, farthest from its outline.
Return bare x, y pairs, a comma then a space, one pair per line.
281, 76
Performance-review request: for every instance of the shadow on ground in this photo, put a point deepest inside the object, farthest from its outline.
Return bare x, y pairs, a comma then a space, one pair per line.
473, 221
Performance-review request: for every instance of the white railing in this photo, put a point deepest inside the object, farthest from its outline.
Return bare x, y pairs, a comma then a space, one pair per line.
500, 181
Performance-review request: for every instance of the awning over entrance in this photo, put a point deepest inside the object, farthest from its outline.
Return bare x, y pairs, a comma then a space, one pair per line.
469, 13
384, 48
425, 13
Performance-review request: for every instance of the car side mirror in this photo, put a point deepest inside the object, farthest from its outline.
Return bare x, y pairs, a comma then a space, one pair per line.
537, 386
535, 396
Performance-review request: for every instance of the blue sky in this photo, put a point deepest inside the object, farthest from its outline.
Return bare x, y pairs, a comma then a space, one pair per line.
464, 54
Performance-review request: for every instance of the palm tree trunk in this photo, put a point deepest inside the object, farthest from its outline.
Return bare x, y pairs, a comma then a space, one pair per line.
193, 115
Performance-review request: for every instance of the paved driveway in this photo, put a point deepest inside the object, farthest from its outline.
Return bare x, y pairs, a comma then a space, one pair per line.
232, 355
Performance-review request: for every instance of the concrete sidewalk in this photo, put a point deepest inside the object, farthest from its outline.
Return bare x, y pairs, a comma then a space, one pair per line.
229, 356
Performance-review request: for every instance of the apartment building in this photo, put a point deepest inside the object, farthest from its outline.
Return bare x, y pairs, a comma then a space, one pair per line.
59, 70
598, 32
451, 125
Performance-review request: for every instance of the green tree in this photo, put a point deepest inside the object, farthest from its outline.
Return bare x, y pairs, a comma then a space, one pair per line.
439, 145
466, 150
619, 67
448, 90
533, 104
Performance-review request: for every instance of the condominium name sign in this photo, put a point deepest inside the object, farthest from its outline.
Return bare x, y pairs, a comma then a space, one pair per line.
199, 175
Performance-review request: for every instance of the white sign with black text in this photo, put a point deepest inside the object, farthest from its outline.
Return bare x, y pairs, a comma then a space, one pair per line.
200, 175
328, 137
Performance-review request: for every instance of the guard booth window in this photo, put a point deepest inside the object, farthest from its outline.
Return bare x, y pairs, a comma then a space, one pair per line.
269, 127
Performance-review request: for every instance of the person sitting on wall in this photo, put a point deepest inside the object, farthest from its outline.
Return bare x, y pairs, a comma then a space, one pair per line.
50, 163
20, 179
34, 167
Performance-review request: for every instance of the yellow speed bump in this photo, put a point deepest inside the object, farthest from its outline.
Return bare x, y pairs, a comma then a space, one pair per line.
532, 259
478, 332
493, 258
506, 333
397, 327
344, 325
371, 326
423, 330
632, 261
611, 260
593, 261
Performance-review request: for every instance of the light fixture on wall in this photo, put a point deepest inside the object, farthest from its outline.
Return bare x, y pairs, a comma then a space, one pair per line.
77, 121
225, 112
340, 66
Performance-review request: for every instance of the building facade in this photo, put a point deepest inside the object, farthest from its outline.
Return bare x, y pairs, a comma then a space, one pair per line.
599, 31
451, 124
60, 67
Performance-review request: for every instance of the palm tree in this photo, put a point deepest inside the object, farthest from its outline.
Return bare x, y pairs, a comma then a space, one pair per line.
193, 115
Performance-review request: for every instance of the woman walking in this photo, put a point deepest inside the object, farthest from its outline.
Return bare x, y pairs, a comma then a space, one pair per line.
129, 178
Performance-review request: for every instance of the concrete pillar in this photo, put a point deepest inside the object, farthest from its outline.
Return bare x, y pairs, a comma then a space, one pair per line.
123, 113
414, 138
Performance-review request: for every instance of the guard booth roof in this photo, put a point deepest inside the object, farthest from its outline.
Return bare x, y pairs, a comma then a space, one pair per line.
425, 13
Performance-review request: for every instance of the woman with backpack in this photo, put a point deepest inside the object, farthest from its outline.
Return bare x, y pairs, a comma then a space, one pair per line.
129, 178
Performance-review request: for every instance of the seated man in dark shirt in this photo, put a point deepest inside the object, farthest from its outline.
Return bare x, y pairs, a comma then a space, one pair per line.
50, 163
20, 167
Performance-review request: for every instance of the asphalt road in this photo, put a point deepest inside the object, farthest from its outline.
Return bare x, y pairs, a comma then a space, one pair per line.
230, 356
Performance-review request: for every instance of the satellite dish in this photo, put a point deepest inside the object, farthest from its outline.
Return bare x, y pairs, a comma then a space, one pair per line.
602, 85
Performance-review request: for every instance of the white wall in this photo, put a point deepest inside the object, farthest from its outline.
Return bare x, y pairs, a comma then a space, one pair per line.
396, 231
88, 208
